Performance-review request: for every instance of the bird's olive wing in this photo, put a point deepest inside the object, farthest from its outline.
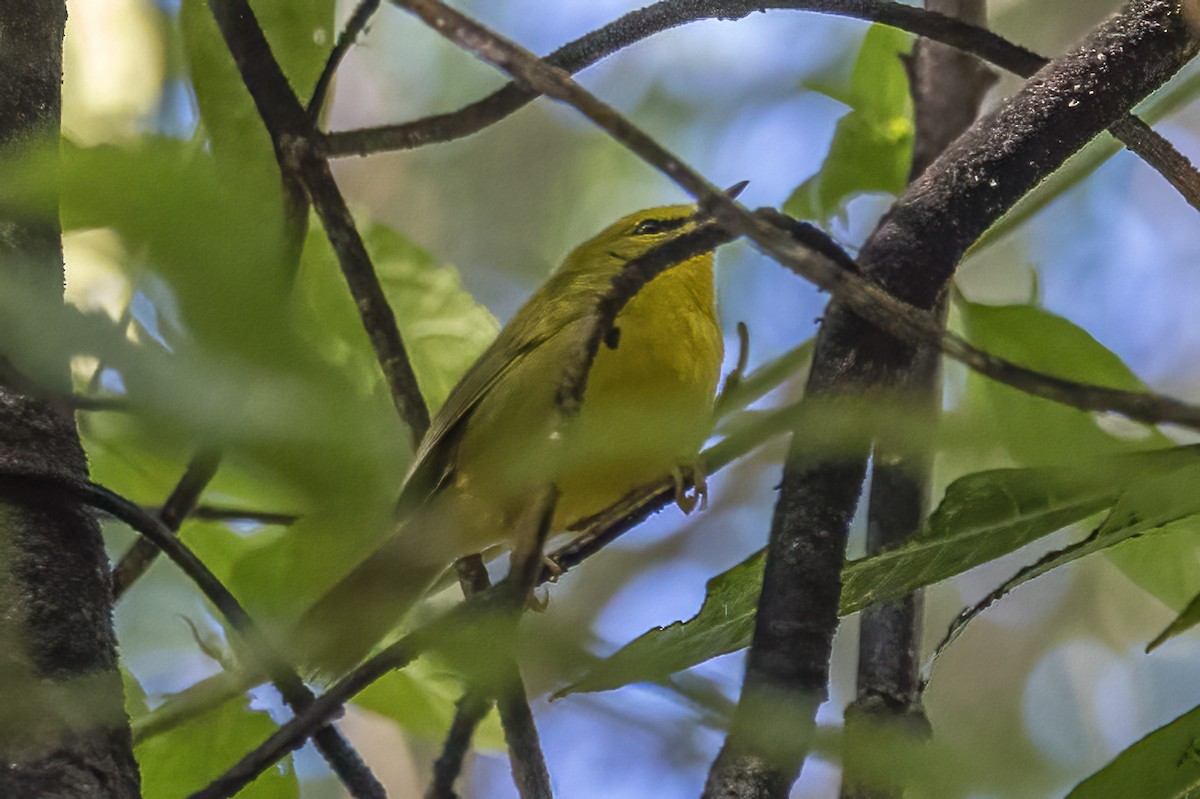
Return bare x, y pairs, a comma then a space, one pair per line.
433, 463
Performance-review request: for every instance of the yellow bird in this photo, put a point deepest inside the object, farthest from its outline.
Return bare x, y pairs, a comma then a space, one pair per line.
646, 411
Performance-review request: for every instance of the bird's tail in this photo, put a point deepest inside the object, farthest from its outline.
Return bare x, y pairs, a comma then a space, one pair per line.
368, 603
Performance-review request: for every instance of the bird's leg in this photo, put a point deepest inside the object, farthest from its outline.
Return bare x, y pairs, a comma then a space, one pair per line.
552, 568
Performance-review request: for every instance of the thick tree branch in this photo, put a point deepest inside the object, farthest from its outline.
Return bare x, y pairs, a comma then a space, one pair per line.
948, 87
912, 255
65, 732
294, 135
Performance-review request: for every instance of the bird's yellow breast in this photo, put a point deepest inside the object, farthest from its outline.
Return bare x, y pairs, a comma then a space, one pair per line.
649, 398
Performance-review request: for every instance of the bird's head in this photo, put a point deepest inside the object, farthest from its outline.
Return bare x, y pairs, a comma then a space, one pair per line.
639, 232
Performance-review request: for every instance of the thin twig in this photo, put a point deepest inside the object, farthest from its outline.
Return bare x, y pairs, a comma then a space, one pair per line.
340, 755
657, 18
218, 513
637, 25
183, 499
295, 137
471, 711
520, 731
328, 706
354, 26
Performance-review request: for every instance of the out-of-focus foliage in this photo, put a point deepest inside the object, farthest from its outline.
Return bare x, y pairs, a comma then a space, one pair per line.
190, 303
1165, 764
872, 148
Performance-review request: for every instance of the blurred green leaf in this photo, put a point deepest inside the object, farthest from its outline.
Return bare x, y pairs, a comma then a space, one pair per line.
1037, 431
1163, 765
443, 327
422, 701
872, 146
213, 235
300, 35
188, 757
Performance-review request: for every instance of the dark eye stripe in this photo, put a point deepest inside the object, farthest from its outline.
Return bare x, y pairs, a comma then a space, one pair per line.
652, 227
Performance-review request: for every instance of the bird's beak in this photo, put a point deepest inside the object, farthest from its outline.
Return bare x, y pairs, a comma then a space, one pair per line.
731, 192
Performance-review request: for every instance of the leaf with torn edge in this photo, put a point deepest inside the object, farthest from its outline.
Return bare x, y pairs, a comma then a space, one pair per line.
1159, 503
981, 517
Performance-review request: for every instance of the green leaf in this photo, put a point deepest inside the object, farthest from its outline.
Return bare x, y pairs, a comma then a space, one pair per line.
872, 145
444, 330
212, 234
443, 327
1037, 431
190, 756
981, 517
1185, 621
1159, 502
1163, 765
724, 624
300, 36
422, 701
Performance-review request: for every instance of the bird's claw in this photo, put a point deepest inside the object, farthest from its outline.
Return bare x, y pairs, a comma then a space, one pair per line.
699, 496
538, 603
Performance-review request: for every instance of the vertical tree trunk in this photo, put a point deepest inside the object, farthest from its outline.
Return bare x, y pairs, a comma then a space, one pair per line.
947, 87
63, 728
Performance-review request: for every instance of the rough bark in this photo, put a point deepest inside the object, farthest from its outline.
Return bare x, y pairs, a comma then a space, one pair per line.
948, 87
912, 254
64, 732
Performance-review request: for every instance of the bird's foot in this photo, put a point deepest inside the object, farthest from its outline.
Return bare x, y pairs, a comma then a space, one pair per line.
699, 484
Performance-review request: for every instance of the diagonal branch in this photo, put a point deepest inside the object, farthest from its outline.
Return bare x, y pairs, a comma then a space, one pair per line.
199, 473
354, 26
340, 755
637, 25
293, 136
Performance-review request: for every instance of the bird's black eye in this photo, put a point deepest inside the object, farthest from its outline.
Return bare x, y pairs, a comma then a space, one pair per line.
655, 227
